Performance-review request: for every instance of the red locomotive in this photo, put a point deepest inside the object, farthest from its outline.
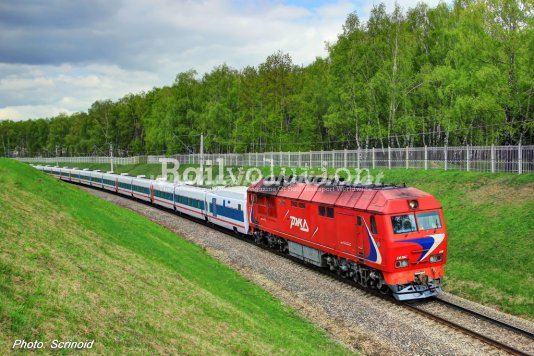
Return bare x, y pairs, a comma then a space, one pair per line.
388, 237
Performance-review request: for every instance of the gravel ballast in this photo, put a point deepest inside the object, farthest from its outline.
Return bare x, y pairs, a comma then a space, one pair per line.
362, 321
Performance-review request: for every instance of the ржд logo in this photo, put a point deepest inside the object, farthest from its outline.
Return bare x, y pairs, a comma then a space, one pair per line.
300, 223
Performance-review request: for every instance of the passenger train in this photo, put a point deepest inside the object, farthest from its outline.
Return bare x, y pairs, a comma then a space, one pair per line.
387, 237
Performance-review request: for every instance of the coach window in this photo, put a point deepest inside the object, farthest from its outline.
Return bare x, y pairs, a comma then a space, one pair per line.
373, 224
294, 203
302, 205
322, 211
239, 207
330, 212
359, 219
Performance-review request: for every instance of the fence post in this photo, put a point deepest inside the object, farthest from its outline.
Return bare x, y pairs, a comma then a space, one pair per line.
373, 158
289, 159
426, 158
358, 158
445, 155
300, 159
345, 158
519, 159
310, 158
467, 163
492, 153
322, 158
333, 159
407, 154
389, 157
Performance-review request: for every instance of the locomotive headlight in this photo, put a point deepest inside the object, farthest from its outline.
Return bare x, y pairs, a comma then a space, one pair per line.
413, 204
401, 263
436, 258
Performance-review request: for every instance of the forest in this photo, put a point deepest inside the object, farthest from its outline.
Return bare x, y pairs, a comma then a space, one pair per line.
454, 74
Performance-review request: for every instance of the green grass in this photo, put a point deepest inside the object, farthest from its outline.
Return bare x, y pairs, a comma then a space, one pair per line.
490, 220
74, 267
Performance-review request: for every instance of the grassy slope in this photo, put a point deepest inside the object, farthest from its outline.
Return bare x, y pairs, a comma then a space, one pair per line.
490, 219
75, 267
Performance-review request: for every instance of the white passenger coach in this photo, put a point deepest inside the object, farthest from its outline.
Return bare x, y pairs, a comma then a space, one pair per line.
222, 206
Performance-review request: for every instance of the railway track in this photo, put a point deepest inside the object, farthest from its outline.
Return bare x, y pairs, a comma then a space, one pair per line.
478, 315
501, 345
414, 307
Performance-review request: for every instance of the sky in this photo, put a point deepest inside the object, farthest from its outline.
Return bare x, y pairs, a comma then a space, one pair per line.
60, 56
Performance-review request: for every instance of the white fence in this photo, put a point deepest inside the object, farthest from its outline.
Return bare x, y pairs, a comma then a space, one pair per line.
516, 159
86, 159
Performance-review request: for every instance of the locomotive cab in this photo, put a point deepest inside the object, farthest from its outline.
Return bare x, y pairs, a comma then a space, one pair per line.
417, 240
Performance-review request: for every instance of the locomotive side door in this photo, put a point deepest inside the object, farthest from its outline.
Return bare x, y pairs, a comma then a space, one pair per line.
361, 233
346, 233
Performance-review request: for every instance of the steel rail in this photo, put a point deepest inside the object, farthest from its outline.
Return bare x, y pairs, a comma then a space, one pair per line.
478, 315
485, 339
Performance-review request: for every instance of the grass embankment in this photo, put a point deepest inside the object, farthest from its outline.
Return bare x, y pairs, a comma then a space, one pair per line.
74, 267
490, 220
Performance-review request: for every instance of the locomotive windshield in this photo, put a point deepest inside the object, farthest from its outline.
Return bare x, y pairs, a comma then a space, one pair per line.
403, 223
406, 223
428, 221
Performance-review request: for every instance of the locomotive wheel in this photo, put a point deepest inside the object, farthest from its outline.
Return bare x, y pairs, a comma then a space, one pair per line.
357, 278
384, 289
362, 281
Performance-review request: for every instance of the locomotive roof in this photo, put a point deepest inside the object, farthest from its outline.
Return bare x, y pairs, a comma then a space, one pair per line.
372, 197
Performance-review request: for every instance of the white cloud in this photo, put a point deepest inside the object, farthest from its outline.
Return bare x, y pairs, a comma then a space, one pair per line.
32, 111
51, 90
